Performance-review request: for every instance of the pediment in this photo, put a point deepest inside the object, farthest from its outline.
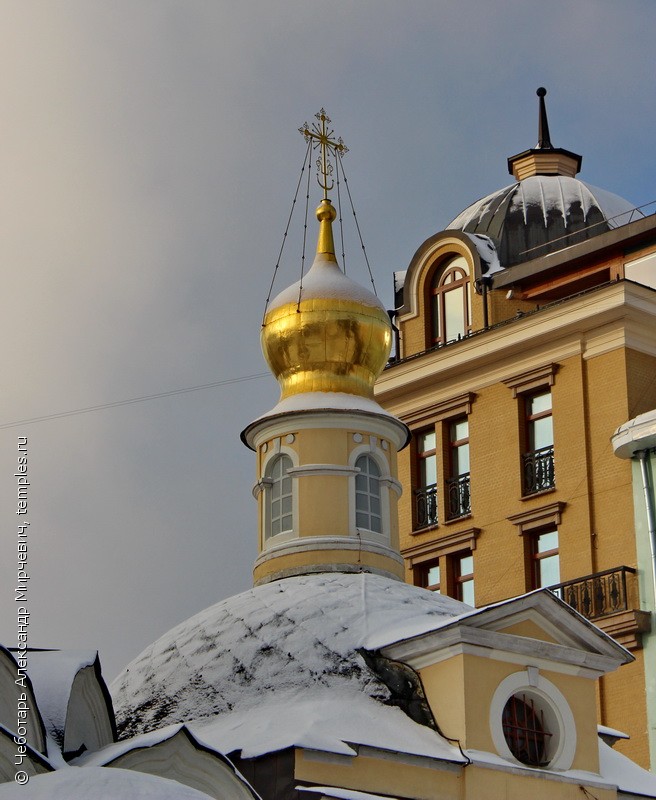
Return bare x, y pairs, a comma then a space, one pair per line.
535, 628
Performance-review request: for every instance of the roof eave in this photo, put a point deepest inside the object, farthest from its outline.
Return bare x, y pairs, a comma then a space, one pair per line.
623, 236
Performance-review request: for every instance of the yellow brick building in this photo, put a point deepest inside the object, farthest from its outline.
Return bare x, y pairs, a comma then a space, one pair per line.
526, 336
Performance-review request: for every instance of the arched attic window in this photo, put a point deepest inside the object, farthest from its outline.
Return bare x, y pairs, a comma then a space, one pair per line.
279, 499
448, 306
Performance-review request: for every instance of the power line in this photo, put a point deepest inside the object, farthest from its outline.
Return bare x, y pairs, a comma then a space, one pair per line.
132, 400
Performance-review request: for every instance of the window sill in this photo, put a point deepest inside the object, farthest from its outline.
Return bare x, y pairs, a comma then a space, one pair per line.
457, 519
425, 529
541, 493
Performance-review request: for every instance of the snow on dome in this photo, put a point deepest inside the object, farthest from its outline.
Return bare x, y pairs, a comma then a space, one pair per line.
325, 279
288, 635
99, 783
539, 210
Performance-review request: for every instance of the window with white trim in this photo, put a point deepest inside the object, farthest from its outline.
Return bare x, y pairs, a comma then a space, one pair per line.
368, 513
279, 505
449, 313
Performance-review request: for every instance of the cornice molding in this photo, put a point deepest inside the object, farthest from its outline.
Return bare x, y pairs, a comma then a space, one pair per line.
536, 518
458, 406
532, 379
442, 546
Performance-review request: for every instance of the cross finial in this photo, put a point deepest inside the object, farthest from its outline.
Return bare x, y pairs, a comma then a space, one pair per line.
320, 134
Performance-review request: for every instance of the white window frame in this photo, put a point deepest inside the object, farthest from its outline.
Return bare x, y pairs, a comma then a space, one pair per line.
386, 482
269, 540
369, 460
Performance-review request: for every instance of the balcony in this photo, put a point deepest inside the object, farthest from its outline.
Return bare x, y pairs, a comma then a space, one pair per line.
458, 497
426, 506
538, 471
610, 600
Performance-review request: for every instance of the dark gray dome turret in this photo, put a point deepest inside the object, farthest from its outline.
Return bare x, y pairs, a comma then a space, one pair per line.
542, 213
547, 209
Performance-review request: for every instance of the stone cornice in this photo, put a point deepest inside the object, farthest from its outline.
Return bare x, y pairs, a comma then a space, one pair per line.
588, 325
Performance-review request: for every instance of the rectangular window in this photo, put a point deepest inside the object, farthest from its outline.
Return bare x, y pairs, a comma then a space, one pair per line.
545, 557
457, 485
463, 569
538, 462
426, 488
428, 576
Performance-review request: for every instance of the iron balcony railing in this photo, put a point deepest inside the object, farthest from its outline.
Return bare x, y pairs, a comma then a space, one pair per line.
458, 497
597, 595
538, 470
426, 506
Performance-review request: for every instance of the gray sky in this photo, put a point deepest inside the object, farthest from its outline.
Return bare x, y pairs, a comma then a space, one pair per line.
148, 158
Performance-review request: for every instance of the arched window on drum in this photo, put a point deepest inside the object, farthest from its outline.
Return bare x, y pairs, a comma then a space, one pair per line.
368, 512
279, 499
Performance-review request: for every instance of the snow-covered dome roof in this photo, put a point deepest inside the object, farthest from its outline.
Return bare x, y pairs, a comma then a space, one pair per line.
292, 634
541, 213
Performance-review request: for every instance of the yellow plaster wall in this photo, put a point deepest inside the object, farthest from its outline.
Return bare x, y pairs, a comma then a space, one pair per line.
529, 629
291, 561
390, 777
486, 784
396, 778
323, 505
459, 691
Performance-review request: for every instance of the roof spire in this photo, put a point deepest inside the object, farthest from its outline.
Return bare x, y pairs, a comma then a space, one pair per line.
321, 137
544, 141
544, 158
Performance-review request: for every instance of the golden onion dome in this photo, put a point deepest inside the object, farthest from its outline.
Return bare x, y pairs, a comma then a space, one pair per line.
326, 333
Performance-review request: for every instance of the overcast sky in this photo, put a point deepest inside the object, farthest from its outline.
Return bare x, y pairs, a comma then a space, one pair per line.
148, 158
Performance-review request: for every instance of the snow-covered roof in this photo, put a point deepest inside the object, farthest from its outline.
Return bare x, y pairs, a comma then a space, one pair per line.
52, 673
99, 783
106, 755
289, 635
615, 769
322, 719
325, 402
626, 774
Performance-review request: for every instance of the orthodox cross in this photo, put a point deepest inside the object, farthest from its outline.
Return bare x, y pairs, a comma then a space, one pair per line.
320, 135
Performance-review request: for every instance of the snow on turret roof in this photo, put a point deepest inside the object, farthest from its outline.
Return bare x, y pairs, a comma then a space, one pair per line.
289, 635
325, 279
327, 401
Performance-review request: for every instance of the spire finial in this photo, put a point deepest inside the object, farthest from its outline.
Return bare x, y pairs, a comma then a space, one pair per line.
544, 141
320, 136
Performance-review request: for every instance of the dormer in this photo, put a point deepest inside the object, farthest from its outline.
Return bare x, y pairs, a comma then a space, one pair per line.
527, 668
